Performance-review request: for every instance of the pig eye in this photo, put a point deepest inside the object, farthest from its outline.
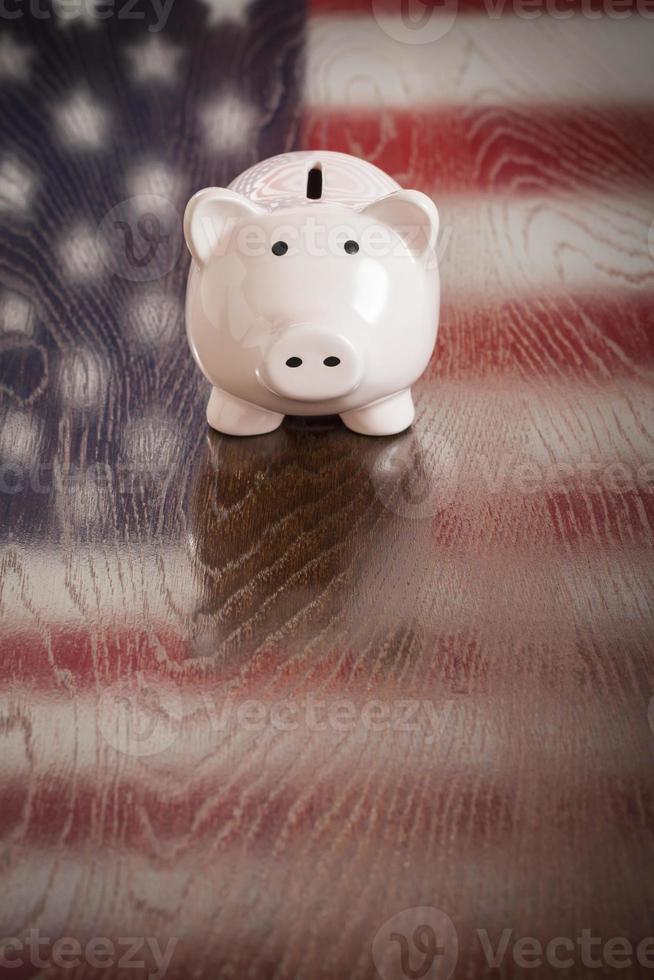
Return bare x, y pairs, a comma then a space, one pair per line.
280, 248
351, 247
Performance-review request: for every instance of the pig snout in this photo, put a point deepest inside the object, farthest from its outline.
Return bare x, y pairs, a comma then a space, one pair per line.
312, 364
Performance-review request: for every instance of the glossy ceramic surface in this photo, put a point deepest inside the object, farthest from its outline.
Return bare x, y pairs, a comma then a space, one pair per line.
260, 697
301, 306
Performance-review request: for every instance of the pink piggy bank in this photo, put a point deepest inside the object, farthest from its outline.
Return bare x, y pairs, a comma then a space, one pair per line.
313, 291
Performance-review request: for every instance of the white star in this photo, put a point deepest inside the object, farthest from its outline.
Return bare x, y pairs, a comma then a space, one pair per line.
78, 12
151, 443
228, 123
80, 254
234, 10
81, 121
16, 186
14, 59
84, 499
153, 179
154, 60
20, 436
82, 379
16, 313
154, 319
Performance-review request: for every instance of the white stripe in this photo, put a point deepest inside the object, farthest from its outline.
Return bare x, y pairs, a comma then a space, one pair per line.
124, 588
46, 739
491, 246
587, 429
357, 62
616, 583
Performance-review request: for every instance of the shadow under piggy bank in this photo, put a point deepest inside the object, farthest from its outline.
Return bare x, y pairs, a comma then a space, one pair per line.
298, 535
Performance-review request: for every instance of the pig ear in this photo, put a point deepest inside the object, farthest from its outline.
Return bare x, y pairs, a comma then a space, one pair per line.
211, 215
412, 215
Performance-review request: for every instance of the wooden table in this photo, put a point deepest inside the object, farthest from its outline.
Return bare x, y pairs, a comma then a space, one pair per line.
310, 704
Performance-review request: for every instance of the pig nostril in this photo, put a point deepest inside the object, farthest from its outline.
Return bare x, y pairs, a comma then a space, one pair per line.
294, 362
331, 361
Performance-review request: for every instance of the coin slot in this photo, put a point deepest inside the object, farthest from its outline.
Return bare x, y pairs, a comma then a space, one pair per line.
314, 183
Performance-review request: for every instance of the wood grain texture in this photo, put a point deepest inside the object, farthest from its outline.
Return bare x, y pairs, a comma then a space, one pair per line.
497, 149
362, 61
259, 696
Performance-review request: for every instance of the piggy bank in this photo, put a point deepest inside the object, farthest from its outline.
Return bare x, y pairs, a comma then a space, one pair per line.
313, 291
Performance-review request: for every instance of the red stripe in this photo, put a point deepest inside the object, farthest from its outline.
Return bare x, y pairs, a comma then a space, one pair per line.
362, 7
90, 810
604, 516
586, 338
526, 150
415, 9
161, 808
77, 658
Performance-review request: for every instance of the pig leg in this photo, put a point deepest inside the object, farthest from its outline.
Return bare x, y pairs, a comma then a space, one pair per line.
237, 418
382, 418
